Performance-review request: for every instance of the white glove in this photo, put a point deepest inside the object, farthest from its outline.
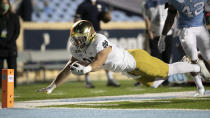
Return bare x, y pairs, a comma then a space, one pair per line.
161, 43
79, 69
48, 89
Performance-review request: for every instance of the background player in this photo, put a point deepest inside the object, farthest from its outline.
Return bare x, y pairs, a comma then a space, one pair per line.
193, 32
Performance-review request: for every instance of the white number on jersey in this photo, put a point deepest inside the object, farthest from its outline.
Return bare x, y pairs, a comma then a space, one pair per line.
196, 10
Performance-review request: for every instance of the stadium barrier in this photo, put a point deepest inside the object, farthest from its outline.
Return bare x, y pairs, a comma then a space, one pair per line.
42, 60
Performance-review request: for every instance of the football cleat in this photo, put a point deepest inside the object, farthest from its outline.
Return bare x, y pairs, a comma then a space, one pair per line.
186, 59
89, 85
199, 93
137, 84
113, 83
204, 71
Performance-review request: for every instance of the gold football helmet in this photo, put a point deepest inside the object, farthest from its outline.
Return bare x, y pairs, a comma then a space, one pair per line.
82, 34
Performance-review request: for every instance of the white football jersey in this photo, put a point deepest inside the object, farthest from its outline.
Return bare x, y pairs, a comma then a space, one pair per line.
119, 60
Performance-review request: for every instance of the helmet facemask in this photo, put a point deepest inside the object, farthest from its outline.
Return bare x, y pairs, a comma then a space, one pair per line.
79, 41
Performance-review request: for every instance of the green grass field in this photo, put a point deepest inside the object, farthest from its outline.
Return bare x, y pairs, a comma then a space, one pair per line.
188, 103
77, 89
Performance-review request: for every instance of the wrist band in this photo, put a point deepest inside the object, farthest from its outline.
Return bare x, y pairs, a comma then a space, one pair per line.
163, 36
87, 69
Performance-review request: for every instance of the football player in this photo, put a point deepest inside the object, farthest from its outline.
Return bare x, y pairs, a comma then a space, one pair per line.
92, 51
194, 34
95, 12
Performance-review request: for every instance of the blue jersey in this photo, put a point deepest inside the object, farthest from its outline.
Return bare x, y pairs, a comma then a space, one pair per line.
154, 3
191, 12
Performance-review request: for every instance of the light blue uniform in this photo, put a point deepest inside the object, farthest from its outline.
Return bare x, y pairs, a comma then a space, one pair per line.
193, 33
191, 12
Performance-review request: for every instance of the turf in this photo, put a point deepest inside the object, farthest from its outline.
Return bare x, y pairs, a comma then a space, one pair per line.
77, 89
192, 103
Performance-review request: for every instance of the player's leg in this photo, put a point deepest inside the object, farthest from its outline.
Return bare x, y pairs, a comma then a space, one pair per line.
183, 67
1, 67
175, 68
12, 63
88, 83
188, 41
151, 67
203, 44
146, 65
153, 70
110, 79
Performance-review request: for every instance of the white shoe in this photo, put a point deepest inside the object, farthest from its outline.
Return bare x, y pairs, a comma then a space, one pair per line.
204, 71
199, 93
186, 59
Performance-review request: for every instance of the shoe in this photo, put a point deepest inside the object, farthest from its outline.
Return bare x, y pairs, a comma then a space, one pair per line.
137, 84
204, 71
89, 85
113, 83
186, 59
199, 93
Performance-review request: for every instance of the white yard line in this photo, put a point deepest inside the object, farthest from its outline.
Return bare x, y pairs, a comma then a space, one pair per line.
149, 96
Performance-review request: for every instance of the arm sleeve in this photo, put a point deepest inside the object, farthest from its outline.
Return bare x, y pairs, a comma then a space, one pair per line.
104, 7
143, 10
105, 15
102, 44
79, 11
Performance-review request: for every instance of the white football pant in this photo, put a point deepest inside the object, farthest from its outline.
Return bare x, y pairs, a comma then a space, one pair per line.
196, 37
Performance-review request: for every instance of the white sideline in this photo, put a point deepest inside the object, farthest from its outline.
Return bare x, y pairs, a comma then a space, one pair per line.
148, 96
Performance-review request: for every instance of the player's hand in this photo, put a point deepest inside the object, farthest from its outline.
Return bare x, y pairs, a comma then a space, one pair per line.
48, 89
79, 69
161, 43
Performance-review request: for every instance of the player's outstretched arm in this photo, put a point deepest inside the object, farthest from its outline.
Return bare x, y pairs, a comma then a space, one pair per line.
167, 26
169, 19
148, 27
59, 78
81, 69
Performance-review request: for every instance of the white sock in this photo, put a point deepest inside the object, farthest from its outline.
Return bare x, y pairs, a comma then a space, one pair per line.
198, 82
158, 82
87, 78
109, 75
182, 67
